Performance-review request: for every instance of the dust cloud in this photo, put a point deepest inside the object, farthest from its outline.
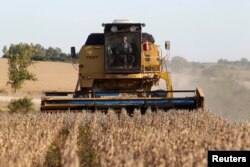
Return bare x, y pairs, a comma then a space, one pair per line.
227, 89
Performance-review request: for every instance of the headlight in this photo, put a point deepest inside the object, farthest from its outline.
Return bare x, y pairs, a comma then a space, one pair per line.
133, 28
113, 28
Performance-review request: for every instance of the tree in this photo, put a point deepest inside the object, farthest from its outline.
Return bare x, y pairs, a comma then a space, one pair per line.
40, 50
5, 50
53, 52
243, 61
39, 53
179, 63
179, 60
19, 59
222, 61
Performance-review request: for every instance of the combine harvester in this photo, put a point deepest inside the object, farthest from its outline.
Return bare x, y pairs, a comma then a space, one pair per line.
117, 69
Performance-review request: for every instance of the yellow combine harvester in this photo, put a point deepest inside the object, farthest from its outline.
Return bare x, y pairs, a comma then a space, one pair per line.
117, 69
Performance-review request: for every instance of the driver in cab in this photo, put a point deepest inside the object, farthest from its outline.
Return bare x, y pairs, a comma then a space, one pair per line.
124, 51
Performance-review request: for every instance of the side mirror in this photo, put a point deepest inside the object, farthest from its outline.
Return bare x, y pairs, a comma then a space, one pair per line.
73, 52
167, 45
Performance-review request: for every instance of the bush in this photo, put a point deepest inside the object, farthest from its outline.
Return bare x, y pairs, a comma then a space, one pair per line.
179, 64
39, 58
22, 105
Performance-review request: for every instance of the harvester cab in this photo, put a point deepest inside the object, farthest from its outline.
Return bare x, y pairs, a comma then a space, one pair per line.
117, 69
122, 48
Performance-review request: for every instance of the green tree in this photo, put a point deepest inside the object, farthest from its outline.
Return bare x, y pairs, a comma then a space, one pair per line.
19, 59
39, 53
40, 50
53, 52
5, 50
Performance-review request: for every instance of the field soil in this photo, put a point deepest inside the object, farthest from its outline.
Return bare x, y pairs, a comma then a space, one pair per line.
52, 76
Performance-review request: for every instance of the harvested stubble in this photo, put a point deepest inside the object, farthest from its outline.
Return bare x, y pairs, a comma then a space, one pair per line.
174, 138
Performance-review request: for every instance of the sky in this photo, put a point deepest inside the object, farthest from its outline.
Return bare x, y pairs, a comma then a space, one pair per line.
199, 30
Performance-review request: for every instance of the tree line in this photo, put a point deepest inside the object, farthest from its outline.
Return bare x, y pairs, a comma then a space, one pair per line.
184, 61
243, 61
178, 64
39, 53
